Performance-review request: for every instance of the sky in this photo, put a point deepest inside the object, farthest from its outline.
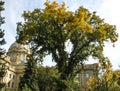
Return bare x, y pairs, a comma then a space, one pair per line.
106, 9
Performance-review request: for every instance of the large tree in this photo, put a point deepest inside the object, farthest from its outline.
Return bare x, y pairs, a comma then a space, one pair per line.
53, 29
2, 51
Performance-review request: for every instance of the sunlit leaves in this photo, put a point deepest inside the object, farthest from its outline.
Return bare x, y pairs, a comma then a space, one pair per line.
107, 79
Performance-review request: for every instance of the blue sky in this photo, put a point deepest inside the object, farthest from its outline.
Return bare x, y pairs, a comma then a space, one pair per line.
107, 9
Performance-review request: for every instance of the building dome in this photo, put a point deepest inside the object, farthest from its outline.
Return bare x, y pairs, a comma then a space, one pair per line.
19, 48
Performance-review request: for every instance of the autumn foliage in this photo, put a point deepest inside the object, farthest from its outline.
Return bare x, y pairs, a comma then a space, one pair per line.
107, 79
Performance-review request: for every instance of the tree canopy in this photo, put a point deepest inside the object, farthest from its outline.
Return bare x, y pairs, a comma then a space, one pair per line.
53, 29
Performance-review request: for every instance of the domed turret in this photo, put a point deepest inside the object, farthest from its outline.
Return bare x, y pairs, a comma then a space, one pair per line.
17, 52
19, 48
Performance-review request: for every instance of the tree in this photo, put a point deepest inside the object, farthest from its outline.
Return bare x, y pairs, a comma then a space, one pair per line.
26, 88
107, 79
47, 78
118, 72
29, 79
48, 31
2, 51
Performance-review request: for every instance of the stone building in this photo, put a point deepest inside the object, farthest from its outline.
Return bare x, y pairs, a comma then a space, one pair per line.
87, 71
15, 63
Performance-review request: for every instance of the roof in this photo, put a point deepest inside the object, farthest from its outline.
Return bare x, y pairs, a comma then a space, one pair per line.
19, 47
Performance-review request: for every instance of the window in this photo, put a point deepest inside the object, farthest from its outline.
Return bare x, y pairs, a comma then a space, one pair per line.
78, 75
13, 76
87, 75
9, 84
23, 60
12, 84
12, 57
10, 75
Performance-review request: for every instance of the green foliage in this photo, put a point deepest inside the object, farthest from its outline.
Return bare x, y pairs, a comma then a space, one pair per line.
2, 41
2, 74
71, 85
26, 88
2, 51
48, 30
47, 78
29, 79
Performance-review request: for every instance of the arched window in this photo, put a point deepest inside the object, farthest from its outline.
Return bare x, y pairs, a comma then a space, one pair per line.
87, 75
12, 85
9, 85
23, 59
12, 57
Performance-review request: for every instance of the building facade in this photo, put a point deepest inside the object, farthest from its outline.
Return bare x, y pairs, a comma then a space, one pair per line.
15, 64
85, 73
